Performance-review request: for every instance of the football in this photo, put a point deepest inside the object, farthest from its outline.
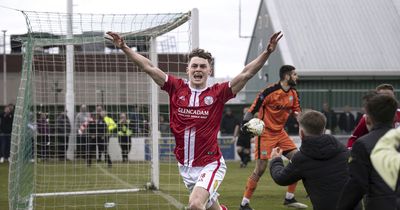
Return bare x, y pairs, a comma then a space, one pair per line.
255, 126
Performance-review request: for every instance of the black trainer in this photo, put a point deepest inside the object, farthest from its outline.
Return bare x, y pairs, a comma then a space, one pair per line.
294, 204
245, 207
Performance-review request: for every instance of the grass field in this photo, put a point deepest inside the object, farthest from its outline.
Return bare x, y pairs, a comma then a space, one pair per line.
267, 196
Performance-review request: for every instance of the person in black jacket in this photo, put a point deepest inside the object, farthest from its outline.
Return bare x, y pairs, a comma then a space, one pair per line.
364, 179
321, 162
63, 129
6, 121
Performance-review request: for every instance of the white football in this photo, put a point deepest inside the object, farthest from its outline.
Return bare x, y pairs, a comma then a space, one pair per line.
255, 126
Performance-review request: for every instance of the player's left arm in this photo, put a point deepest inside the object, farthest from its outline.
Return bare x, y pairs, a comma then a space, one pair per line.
280, 174
254, 66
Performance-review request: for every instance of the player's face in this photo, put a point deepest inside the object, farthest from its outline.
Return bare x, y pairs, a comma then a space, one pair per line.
198, 70
293, 78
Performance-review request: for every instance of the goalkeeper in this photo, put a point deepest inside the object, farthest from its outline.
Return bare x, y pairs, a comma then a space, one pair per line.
195, 116
274, 105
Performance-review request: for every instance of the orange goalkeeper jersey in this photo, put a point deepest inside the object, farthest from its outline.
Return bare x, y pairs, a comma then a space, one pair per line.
274, 105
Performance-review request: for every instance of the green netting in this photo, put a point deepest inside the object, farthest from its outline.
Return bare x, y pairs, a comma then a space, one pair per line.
21, 176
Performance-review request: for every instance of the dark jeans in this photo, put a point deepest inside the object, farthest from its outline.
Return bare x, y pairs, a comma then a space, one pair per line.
125, 144
81, 146
43, 148
5, 144
62, 146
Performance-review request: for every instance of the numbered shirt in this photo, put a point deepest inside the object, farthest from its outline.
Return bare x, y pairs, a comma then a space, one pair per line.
195, 117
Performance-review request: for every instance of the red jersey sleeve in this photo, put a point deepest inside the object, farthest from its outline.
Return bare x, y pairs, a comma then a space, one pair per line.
224, 91
359, 131
171, 84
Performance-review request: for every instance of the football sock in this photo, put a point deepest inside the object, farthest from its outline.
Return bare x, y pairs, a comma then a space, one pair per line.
289, 195
245, 201
291, 188
251, 186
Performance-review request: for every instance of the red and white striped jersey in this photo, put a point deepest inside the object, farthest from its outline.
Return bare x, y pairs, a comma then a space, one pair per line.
195, 117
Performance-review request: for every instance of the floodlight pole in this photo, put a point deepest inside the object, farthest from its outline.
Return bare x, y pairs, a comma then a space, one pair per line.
4, 69
69, 81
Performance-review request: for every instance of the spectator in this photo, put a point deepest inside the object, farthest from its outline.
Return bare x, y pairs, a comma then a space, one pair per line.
385, 158
124, 136
81, 122
292, 126
361, 128
102, 143
364, 179
32, 129
43, 137
138, 121
63, 129
331, 121
165, 130
229, 124
346, 120
6, 121
321, 163
359, 115
243, 145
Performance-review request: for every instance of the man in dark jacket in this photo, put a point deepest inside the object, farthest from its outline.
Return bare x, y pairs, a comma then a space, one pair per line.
321, 163
63, 129
364, 179
6, 119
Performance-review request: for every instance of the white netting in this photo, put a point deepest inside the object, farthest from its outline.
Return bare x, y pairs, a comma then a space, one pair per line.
89, 164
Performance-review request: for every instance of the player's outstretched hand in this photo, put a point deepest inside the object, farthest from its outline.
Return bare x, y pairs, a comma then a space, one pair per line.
115, 38
273, 41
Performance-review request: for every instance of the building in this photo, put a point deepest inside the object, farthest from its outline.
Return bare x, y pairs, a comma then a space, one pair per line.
340, 48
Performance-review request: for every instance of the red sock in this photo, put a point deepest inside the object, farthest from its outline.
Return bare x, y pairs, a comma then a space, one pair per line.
291, 188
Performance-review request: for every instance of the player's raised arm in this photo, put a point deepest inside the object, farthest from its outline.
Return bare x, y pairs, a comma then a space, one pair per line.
254, 66
145, 64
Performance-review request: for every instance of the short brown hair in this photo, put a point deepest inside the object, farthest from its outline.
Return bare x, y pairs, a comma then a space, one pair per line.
201, 54
381, 108
384, 87
312, 122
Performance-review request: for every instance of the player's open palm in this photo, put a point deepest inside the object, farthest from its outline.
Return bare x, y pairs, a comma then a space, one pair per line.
116, 39
273, 41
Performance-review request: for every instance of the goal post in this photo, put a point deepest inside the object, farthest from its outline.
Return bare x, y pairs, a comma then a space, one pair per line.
64, 160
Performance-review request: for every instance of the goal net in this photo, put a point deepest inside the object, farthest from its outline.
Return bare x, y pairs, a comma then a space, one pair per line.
91, 129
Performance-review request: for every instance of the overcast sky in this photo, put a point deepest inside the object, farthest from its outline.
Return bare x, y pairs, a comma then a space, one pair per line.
219, 21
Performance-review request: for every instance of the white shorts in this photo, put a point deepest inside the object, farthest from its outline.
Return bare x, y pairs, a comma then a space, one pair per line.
208, 177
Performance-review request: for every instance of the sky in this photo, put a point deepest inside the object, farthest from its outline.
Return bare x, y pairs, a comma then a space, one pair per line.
219, 22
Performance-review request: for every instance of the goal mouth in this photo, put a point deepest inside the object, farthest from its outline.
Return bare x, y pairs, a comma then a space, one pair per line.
59, 156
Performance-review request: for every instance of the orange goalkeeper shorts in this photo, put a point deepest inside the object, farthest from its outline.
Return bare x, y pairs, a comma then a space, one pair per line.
271, 139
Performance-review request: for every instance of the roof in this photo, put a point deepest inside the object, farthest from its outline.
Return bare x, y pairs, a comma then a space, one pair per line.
341, 37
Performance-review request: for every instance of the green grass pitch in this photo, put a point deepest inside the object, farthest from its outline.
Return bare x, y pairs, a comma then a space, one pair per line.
267, 196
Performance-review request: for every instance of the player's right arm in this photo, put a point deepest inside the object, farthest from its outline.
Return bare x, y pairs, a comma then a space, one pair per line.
145, 64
